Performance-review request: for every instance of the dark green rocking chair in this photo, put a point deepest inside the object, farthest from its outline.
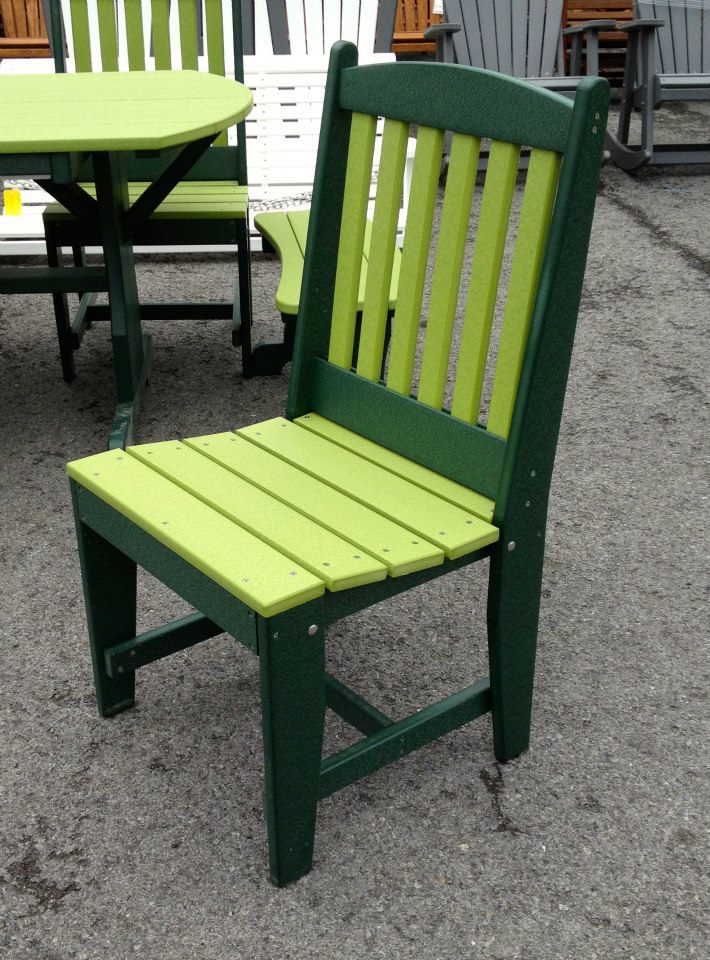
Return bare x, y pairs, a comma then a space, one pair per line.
367, 489
209, 206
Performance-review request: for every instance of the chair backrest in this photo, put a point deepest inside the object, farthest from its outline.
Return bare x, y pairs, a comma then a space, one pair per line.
521, 38
117, 35
510, 455
313, 26
683, 42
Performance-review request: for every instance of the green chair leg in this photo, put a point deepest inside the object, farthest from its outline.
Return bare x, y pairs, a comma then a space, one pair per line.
292, 670
61, 312
513, 611
109, 579
242, 318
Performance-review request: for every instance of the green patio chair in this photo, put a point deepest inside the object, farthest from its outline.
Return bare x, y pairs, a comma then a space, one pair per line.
369, 486
210, 205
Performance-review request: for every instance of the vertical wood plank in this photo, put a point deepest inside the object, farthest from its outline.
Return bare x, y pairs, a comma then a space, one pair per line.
520, 38
530, 245
446, 281
680, 38
313, 18
352, 234
214, 30
349, 18
415, 250
161, 33
367, 27
384, 232
467, 16
107, 36
296, 27
504, 34
188, 34
485, 276
332, 24
694, 26
551, 37
486, 15
536, 23
135, 43
81, 36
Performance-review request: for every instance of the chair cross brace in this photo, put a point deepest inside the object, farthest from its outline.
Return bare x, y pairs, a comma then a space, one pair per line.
151, 198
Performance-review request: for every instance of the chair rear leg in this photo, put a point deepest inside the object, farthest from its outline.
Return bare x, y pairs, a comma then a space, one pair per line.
241, 324
109, 579
292, 669
61, 309
513, 612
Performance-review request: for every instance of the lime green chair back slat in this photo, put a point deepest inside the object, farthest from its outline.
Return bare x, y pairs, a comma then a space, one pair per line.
214, 41
485, 277
135, 40
415, 250
538, 202
108, 40
352, 237
446, 281
188, 34
214, 30
160, 17
388, 201
81, 35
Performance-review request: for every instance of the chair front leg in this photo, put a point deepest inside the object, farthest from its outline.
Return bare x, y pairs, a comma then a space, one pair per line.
292, 671
109, 579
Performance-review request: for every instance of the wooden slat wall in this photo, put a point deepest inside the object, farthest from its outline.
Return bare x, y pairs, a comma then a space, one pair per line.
612, 44
22, 29
413, 18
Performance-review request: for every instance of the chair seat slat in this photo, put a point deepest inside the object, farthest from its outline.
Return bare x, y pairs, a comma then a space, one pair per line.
442, 486
454, 530
530, 243
485, 276
446, 281
303, 540
249, 569
387, 541
415, 249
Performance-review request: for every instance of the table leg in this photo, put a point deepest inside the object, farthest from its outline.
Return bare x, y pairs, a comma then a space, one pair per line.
132, 349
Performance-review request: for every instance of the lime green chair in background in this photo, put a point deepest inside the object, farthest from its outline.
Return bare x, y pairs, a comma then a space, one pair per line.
369, 485
210, 205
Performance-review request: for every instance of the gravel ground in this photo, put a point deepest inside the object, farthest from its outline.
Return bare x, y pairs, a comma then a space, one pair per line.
143, 835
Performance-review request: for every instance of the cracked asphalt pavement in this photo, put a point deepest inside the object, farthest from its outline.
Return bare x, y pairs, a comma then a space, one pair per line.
143, 835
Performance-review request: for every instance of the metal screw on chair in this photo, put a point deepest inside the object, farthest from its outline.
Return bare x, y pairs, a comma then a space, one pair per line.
511, 546
313, 630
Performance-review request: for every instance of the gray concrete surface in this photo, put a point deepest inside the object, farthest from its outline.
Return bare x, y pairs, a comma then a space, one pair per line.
143, 836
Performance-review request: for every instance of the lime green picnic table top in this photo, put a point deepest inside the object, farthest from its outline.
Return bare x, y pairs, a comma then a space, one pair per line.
78, 112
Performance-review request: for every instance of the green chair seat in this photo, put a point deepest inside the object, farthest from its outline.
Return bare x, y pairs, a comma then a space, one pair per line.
190, 200
286, 231
248, 510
